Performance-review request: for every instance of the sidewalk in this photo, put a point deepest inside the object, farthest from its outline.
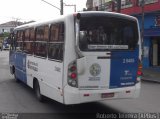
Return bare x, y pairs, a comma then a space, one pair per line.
151, 74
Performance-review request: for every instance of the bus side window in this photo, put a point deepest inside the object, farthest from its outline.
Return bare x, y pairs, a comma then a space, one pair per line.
19, 41
41, 41
27, 43
55, 51
60, 52
56, 42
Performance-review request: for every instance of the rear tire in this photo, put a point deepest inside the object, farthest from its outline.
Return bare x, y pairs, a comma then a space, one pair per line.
38, 94
15, 77
12, 70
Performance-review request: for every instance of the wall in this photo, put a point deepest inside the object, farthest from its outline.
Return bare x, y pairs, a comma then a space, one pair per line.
5, 29
149, 20
148, 23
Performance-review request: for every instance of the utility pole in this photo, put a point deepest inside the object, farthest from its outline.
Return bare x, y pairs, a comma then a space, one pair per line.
61, 6
119, 6
50, 4
142, 27
75, 8
101, 5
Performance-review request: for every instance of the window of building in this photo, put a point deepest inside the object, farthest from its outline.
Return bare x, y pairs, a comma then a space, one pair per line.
56, 42
126, 4
147, 2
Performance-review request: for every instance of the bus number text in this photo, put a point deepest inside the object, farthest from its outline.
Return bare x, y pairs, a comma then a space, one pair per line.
126, 61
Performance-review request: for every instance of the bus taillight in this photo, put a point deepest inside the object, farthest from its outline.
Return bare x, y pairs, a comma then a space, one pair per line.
72, 74
139, 71
73, 68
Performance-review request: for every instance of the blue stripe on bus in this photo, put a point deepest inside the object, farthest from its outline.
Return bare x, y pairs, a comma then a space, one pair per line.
124, 65
20, 66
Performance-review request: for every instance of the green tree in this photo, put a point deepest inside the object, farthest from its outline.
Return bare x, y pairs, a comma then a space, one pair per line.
3, 35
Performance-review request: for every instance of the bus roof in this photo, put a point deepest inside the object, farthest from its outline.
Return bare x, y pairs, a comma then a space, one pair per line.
61, 18
39, 23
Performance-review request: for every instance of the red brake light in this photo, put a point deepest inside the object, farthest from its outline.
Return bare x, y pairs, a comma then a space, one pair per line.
73, 68
139, 73
73, 75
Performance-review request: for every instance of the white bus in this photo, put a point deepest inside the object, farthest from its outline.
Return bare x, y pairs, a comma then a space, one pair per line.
78, 58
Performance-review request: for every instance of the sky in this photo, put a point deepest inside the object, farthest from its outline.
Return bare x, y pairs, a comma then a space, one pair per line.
27, 10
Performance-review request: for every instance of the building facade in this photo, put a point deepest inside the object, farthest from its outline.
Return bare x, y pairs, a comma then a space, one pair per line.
9, 26
151, 23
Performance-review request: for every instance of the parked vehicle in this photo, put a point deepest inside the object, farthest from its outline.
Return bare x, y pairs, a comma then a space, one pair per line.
1, 46
6, 44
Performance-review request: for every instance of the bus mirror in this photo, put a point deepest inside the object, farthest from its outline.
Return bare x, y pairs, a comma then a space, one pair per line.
78, 16
81, 65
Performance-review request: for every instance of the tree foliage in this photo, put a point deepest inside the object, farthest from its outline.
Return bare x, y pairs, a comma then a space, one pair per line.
3, 35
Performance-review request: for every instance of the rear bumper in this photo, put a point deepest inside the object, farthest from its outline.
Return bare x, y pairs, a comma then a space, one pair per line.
76, 96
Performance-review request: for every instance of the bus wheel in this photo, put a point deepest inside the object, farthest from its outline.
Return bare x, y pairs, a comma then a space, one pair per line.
15, 78
37, 92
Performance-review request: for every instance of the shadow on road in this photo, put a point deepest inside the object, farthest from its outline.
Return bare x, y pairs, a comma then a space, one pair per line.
79, 111
93, 107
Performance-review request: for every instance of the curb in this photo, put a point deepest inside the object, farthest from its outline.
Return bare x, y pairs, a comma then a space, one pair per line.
151, 80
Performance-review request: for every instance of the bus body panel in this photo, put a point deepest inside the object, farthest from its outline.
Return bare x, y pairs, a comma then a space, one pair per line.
76, 96
69, 48
20, 66
12, 57
48, 74
89, 79
124, 66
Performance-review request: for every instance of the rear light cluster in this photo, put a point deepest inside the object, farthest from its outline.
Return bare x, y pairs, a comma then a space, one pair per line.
139, 71
72, 74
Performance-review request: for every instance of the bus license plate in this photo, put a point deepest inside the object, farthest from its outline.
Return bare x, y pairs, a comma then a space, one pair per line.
107, 95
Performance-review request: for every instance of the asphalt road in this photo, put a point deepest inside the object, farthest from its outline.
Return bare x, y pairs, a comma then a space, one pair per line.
19, 98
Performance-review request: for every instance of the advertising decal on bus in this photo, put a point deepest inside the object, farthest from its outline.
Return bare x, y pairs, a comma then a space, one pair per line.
126, 75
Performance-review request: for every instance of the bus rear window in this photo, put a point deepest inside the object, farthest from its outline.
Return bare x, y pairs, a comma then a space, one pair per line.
98, 33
